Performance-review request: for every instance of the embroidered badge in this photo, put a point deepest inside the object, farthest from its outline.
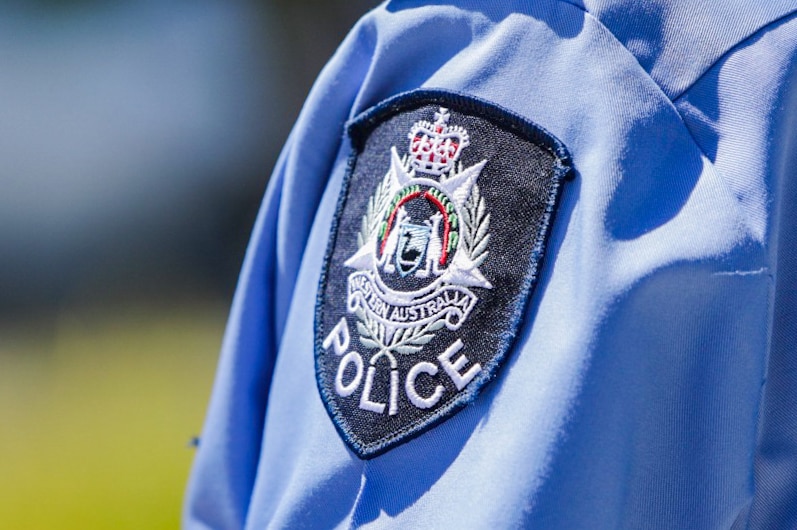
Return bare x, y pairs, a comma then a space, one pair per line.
435, 248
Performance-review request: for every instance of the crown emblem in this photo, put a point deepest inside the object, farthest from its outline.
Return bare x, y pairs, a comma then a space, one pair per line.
435, 147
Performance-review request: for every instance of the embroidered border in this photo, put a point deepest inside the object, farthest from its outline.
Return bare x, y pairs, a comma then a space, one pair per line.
358, 131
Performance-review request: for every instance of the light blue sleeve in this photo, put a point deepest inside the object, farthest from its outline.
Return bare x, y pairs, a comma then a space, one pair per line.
775, 502
654, 382
741, 113
226, 462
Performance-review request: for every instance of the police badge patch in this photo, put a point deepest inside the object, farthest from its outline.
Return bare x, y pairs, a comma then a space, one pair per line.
435, 248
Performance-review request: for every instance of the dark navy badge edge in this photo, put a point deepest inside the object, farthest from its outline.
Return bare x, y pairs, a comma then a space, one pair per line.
358, 130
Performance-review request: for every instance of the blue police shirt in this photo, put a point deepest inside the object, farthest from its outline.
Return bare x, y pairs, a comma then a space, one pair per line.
651, 379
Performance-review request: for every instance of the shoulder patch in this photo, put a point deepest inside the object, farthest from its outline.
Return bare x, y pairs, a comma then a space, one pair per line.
435, 248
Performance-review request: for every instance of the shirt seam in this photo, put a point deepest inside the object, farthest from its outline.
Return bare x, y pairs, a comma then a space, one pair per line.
732, 49
672, 101
752, 35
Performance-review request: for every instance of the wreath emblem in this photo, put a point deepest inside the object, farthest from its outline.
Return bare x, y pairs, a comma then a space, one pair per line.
433, 253
420, 245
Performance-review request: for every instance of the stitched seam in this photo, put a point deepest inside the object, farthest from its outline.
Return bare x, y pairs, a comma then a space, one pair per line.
609, 32
576, 5
606, 29
762, 394
683, 94
671, 101
358, 130
730, 50
754, 35
742, 210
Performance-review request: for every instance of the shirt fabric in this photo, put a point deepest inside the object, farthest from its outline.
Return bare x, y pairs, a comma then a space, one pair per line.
653, 383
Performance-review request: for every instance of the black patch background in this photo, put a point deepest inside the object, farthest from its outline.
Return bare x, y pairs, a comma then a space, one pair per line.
519, 184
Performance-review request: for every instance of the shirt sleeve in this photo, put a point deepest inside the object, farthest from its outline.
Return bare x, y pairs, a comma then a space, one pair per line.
741, 112
226, 461
774, 503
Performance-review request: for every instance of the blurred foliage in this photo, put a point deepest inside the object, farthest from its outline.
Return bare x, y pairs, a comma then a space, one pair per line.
108, 343
97, 418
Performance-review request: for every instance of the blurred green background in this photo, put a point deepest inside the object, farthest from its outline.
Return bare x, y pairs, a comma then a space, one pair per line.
98, 416
136, 143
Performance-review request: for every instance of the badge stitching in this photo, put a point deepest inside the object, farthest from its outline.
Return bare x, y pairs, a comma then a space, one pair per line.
467, 223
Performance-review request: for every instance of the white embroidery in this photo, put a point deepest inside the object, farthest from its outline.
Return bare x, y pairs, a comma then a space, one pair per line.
453, 369
434, 248
347, 390
338, 338
428, 236
393, 244
394, 385
436, 146
365, 397
476, 223
451, 303
415, 398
